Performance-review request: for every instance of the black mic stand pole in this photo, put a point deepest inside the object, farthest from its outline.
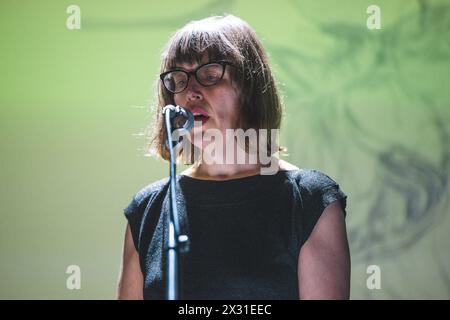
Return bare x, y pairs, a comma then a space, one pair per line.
176, 242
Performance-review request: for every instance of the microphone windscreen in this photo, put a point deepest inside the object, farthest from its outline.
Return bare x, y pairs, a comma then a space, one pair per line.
179, 121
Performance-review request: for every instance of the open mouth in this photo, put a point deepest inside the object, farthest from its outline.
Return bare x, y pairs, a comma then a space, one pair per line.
201, 117
200, 114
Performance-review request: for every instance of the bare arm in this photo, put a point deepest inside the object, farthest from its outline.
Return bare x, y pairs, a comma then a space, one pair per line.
324, 260
131, 281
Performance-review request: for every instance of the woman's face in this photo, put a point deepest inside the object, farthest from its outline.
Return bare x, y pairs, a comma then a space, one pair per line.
219, 102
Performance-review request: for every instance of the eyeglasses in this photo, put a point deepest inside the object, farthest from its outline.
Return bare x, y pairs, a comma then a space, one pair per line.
207, 75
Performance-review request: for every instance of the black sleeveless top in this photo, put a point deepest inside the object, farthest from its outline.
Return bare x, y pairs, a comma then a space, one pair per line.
245, 233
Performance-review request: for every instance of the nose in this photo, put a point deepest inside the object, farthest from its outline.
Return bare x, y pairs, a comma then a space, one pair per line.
193, 91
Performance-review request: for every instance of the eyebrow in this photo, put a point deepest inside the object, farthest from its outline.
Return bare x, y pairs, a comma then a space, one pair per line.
195, 66
199, 63
185, 69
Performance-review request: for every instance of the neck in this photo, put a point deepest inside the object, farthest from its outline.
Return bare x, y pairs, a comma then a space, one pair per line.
224, 171
215, 165
228, 171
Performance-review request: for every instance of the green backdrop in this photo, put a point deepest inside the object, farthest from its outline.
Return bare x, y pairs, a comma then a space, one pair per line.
371, 108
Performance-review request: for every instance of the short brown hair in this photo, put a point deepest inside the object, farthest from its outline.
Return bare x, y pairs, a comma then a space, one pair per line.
223, 38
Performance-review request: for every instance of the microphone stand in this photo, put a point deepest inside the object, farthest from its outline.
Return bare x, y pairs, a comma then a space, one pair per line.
176, 242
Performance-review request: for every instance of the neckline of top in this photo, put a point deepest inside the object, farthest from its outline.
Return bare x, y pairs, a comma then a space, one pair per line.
240, 179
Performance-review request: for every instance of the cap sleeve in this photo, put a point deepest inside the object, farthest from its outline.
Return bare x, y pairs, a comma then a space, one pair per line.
140, 211
134, 212
318, 191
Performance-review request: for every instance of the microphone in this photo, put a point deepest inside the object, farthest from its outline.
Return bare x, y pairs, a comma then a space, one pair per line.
180, 117
177, 119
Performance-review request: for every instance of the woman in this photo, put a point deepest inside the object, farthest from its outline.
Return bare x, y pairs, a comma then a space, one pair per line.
280, 235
